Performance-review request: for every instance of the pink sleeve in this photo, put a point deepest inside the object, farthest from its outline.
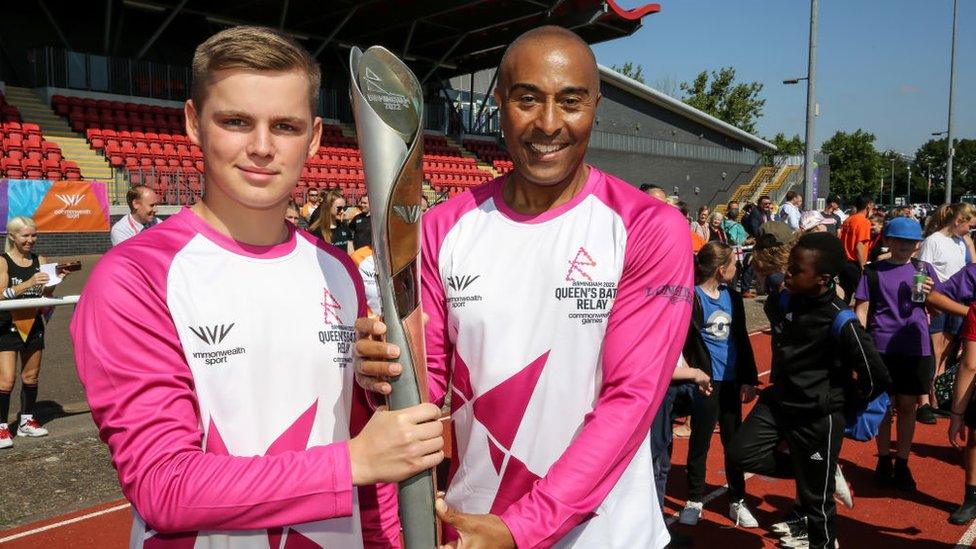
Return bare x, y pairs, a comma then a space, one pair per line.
141, 394
645, 332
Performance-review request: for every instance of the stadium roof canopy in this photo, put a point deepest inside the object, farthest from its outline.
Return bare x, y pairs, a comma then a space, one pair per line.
450, 36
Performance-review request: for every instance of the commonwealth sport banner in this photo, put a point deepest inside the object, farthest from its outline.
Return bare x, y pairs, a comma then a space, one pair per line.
56, 206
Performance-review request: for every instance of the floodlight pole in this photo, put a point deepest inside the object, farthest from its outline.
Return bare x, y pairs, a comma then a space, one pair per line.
952, 86
892, 178
811, 105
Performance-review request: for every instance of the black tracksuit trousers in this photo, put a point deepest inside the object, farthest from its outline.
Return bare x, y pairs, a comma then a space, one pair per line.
725, 407
814, 444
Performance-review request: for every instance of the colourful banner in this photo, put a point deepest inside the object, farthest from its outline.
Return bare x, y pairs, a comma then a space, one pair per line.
57, 206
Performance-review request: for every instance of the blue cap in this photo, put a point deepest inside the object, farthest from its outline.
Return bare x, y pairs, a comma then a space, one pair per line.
904, 228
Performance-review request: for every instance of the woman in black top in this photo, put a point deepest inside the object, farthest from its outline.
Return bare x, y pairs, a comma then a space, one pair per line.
329, 222
21, 330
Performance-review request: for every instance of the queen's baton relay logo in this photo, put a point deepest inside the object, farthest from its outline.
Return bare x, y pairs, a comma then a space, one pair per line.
335, 331
591, 299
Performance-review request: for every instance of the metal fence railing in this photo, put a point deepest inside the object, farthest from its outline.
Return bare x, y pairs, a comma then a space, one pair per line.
175, 186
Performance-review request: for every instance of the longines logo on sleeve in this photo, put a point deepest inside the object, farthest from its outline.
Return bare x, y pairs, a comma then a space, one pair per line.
409, 214
458, 284
336, 332
214, 335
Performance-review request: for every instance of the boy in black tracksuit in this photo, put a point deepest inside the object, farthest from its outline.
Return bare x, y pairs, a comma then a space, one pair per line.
817, 371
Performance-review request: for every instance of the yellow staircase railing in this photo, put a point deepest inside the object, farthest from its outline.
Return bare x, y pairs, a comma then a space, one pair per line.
781, 177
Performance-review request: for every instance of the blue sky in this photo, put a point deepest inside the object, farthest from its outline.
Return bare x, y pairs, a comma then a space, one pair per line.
882, 65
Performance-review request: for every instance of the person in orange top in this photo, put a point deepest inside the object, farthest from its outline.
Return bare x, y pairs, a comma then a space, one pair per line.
855, 235
856, 231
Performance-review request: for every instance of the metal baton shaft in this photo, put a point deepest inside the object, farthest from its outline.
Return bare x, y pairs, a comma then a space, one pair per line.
387, 104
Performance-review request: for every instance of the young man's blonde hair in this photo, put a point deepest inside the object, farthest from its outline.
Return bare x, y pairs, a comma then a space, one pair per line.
255, 48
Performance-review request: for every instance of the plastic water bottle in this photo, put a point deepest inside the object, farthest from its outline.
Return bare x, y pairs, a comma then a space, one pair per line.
918, 284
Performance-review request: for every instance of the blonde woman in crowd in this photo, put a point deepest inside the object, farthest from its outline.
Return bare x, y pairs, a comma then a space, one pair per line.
21, 330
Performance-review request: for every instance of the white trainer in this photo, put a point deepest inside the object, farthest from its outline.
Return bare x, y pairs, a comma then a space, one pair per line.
5, 440
742, 516
29, 427
691, 514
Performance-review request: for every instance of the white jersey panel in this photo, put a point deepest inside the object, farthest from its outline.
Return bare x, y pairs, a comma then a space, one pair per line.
247, 383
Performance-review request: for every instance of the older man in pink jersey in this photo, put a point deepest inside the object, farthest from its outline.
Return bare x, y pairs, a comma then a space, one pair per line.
559, 298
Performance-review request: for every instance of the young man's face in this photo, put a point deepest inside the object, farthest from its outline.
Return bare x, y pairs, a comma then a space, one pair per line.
256, 131
766, 205
801, 273
313, 197
364, 204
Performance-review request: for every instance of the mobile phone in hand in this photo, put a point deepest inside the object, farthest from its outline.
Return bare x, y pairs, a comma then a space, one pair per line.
69, 266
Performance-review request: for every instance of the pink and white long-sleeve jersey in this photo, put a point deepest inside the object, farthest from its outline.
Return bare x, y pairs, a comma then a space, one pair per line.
220, 375
561, 331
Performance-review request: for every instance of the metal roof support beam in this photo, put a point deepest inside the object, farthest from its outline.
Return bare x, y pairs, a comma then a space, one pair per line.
106, 36
57, 28
335, 31
484, 103
425, 16
553, 7
406, 45
444, 57
169, 19
491, 26
284, 13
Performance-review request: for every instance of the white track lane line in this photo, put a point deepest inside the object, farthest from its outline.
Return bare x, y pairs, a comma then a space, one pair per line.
64, 523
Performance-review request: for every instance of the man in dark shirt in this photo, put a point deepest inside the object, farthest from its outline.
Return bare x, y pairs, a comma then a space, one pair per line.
759, 215
360, 225
830, 210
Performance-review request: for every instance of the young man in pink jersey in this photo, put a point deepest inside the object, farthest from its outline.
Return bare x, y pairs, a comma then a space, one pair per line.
558, 299
215, 349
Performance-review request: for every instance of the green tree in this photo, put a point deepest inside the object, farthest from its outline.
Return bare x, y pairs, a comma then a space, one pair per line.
792, 146
738, 104
855, 165
631, 70
784, 146
932, 155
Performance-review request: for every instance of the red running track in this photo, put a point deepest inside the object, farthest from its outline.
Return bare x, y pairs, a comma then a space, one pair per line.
880, 519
